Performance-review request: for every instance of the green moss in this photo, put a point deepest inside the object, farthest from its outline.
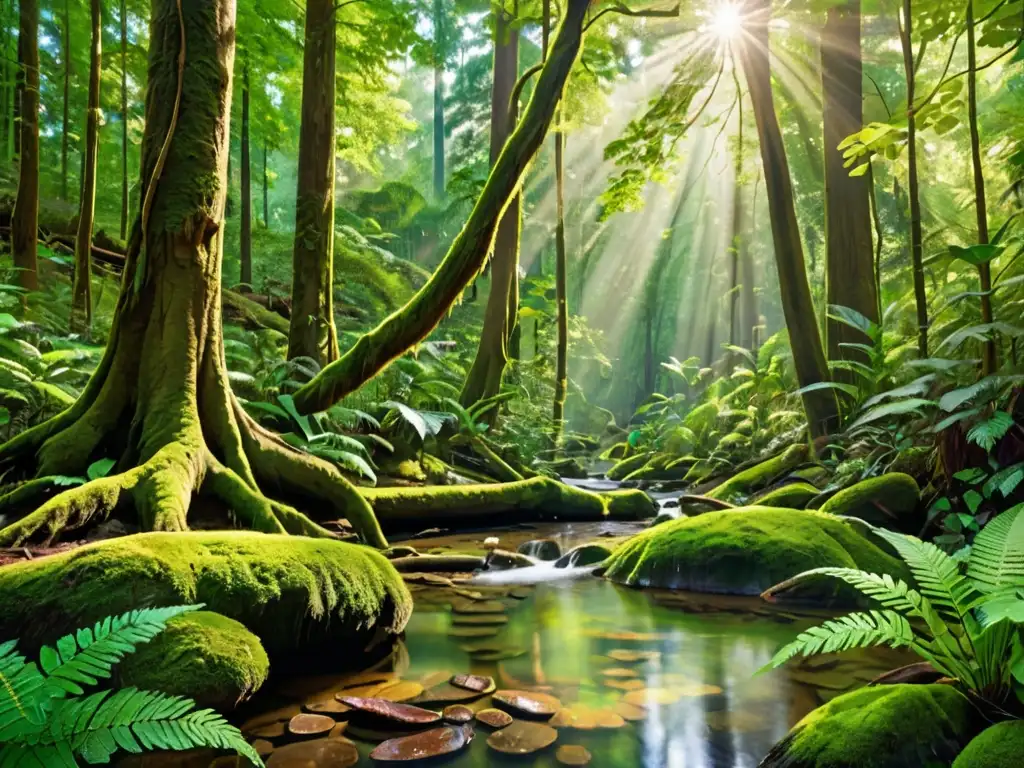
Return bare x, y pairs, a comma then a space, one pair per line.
792, 496
290, 591
204, 656
624, 467
629, 504
745, 551
583, 555
760, 475
616, 452
883, 500
816, 475
887, 726
1001, 746
663, 466
701, 418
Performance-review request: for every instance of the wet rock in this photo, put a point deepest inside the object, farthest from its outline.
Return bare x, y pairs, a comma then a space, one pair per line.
318, 753
267, 731
476, 683
262, 747
464, 605
541, 549
1000, 746
889, 500
479, 618
399, 690
789, 496
628, 656
619, 672
528, 703
325, 705
463, 632
421, 746
393, 712
502, 560
458, 714
307, 726
583, 555
522, 738
392, 553
632, 713
634, 684
886, 726
572, 754
494, 718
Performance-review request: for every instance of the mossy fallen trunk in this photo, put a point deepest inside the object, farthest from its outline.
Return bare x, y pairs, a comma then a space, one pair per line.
889, 500
629, 465
539, 499
293, 593
749, 481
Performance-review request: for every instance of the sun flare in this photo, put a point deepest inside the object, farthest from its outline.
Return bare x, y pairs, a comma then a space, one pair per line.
726, 21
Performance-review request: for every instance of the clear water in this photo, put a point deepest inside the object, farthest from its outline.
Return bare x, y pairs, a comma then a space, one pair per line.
562, 633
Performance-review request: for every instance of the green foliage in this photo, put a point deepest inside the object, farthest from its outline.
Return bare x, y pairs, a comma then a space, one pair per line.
46, 718
964, 625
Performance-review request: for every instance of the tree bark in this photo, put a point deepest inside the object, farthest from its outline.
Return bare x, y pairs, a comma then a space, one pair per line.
439, 59
246, 232
66, 122
25, 221
561, 272
312, 323
81, 309
159, 401
502, 311
124, 120
414, 322
808, 356
849, 260
989, 356
913, 190
266, 188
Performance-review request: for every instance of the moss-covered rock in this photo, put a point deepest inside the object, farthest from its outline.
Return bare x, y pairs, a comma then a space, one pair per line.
759, 476
616, 452
629, 504
791, 496
887, 726
626, 466
884, 500
202, 655
292, 592
583, 555
1001, 746
663, 466
745, 551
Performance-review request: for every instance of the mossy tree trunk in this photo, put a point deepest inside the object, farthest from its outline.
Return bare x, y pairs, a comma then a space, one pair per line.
266, 187
159, 402
805, 339
81, 307
849, 261
467, 254
989, 356
561, 272
502, 311
65, 138
25, 222
439, 59
246, 232
124, 120
312, 319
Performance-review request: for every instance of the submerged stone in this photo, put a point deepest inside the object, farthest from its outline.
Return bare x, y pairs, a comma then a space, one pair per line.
310, 725
889, 726
421, 746
522, 738
203, 656
476, 683
541, 549
572, 754
528, 703
294, 593
458, 714
318, 753
494, 718
381, 709
746, 551
999, 746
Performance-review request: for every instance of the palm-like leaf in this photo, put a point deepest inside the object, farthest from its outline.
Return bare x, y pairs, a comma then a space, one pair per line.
90, 654
997, 557
856, 630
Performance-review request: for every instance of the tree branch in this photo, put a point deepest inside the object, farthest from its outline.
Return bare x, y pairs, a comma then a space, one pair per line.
649, 13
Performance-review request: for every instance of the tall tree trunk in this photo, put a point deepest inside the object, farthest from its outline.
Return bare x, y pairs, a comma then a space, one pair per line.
246, 232
25, 221
412, 323
913, 189
849, 261
66, 122
81, 311
500, 316
439, 59
561, 272
312, 331
798, 308
160, 402
266, 188
124, 120
989, 357
19, 89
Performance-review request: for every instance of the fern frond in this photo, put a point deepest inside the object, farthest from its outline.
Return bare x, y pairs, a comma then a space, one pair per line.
24, 756
997, 557
891, 593
937, 575
857, 630
90, 654
96, 726
23, 694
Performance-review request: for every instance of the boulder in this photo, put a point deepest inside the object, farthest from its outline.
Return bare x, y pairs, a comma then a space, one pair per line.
583, 555
541, 549
889, 726
628, 465
292, 592
889, 500
791, 496
747, 550
1001, 746
629, 504
203, 656
742, 485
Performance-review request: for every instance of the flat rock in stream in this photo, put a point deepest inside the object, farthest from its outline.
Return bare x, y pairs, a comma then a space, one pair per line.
458, 714
522, 738
477, 606
421, 746
494, 718
528, 703
307, 726
572, 754
318, 753
390, 711
476, 683
480, 619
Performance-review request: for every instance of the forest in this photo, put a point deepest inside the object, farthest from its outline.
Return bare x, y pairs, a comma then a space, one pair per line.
469, 382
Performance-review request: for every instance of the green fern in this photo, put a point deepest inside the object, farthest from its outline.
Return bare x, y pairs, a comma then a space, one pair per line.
997, 557
857, 630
